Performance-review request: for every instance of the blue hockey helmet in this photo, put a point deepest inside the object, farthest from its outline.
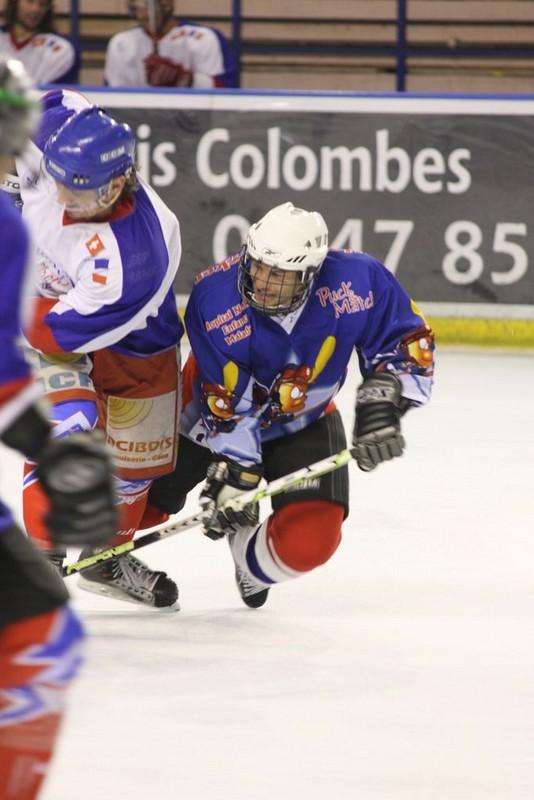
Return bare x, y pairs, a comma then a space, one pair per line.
89, 150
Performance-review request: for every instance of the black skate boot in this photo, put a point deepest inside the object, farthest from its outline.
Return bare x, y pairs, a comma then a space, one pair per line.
128, 578
253, 594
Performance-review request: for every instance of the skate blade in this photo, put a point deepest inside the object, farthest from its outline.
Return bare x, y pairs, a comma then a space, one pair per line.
119, 594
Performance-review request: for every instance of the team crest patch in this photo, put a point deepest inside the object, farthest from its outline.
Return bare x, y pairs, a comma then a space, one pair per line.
95, 245
100, 270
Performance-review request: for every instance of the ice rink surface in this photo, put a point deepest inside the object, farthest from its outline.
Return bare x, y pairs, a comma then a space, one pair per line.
401, 670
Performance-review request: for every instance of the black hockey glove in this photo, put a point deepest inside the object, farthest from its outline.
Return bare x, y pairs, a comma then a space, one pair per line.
29, 432
75, 473
377, 435
226, 479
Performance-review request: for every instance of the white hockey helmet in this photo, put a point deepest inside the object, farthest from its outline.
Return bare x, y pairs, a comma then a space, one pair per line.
287, 239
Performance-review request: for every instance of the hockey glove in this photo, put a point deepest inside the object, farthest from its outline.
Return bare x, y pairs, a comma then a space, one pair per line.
377, 436
75, 473
165, 72
226, 479
29, 432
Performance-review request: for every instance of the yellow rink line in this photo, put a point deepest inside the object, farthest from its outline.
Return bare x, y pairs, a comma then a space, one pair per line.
513, 333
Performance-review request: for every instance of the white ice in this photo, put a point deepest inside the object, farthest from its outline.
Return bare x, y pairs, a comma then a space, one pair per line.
401, 670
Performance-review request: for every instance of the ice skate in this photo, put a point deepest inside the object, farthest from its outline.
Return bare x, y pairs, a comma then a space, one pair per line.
56, 558
128, 578
253, 593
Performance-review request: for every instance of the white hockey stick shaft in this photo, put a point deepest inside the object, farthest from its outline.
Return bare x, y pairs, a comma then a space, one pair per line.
152, 23
167, 529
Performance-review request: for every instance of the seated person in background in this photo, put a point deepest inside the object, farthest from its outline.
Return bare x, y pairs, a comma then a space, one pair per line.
28, 35
160, 51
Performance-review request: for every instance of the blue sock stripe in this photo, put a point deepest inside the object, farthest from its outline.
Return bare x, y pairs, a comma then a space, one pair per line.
252, 561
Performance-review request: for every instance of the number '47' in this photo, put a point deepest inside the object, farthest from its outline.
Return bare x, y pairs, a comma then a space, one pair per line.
351, 235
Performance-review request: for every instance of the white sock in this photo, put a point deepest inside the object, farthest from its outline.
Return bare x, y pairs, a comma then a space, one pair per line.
255, 554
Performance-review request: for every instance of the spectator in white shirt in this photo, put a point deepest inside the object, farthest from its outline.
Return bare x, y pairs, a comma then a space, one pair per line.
28, 35
167, 52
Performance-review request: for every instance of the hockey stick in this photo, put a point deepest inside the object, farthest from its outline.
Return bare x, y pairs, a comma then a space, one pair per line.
152, 24
164, 531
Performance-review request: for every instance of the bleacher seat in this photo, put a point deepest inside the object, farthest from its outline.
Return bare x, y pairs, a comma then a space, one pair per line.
349, 44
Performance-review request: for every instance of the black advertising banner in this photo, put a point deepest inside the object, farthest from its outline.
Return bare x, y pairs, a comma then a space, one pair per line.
441, 191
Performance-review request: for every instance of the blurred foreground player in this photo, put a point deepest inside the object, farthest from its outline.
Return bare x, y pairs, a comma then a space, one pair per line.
106, 329
272, 330
40, 637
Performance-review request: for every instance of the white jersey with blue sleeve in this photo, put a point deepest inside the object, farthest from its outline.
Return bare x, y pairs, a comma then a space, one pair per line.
48, 57
100, 284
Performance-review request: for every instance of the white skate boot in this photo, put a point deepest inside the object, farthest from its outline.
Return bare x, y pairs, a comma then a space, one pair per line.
253, 593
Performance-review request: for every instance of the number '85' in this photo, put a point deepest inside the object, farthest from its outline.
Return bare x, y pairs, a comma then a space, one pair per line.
463, 263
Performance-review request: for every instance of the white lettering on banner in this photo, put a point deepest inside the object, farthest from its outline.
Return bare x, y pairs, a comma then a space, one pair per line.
238, 159
222, 233
462, 264
159, 156
300, 168
350, 236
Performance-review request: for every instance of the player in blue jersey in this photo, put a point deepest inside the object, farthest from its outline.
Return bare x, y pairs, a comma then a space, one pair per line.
40, 636
106, 330
272, 330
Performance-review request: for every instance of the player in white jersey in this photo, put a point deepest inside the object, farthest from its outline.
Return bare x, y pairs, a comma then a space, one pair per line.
41, 639
164, 52
106, 328
28, 36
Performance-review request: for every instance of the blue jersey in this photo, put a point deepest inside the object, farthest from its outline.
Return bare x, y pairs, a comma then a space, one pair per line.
257, 377
17, 389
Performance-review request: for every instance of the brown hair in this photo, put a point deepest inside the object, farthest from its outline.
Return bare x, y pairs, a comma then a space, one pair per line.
47, 22
131, 185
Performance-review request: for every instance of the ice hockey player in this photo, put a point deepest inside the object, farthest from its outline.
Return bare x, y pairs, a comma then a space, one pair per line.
164, 52
272, 330
28, 35
106, 328
41, 639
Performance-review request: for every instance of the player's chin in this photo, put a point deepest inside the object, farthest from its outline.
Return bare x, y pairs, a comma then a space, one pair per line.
77, 213
33, 24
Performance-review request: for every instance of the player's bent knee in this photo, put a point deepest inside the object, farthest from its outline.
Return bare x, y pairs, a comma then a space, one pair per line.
305, 535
